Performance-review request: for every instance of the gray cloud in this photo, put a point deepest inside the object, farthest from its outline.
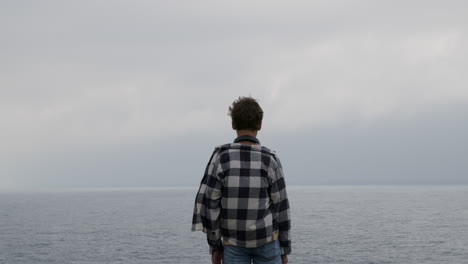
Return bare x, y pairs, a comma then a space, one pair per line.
429, 149
86, 87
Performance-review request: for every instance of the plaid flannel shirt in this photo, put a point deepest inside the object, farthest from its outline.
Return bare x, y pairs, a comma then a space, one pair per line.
242, 198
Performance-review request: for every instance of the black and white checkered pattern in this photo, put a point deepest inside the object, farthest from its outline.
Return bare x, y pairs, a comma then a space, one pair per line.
242, 198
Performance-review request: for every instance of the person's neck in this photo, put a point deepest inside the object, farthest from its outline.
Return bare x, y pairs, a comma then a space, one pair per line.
246, 132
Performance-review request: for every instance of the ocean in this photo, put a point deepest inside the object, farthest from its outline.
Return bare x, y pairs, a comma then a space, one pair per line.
330, 224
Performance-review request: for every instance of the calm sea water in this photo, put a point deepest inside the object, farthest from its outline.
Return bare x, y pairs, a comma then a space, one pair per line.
371, 224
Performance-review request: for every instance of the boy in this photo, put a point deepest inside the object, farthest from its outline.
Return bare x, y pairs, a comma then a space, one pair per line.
242, 203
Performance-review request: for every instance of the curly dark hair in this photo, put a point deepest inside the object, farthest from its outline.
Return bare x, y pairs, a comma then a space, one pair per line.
246, 113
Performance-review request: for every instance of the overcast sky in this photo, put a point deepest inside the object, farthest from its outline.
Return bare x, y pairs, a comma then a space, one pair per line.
136, 93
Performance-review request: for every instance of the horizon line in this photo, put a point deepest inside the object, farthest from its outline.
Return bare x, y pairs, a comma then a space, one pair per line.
192, 187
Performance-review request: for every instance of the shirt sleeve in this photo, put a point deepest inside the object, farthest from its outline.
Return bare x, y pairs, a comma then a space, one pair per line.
213, 209
207, 209
281, 210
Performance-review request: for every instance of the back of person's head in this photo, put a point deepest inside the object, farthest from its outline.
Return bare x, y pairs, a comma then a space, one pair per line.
246, 114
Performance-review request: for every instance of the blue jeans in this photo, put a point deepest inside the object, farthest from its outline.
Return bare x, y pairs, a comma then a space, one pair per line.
270, 253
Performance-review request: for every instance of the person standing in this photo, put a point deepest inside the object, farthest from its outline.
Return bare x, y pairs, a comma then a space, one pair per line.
242, 203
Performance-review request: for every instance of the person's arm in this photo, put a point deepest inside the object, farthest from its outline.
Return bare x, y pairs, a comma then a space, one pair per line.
280, 204
217, 257
207, 205
213, 210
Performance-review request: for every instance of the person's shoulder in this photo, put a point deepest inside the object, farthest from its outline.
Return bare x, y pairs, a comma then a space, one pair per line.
273, 156
223, 146
267, 150
219, 150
